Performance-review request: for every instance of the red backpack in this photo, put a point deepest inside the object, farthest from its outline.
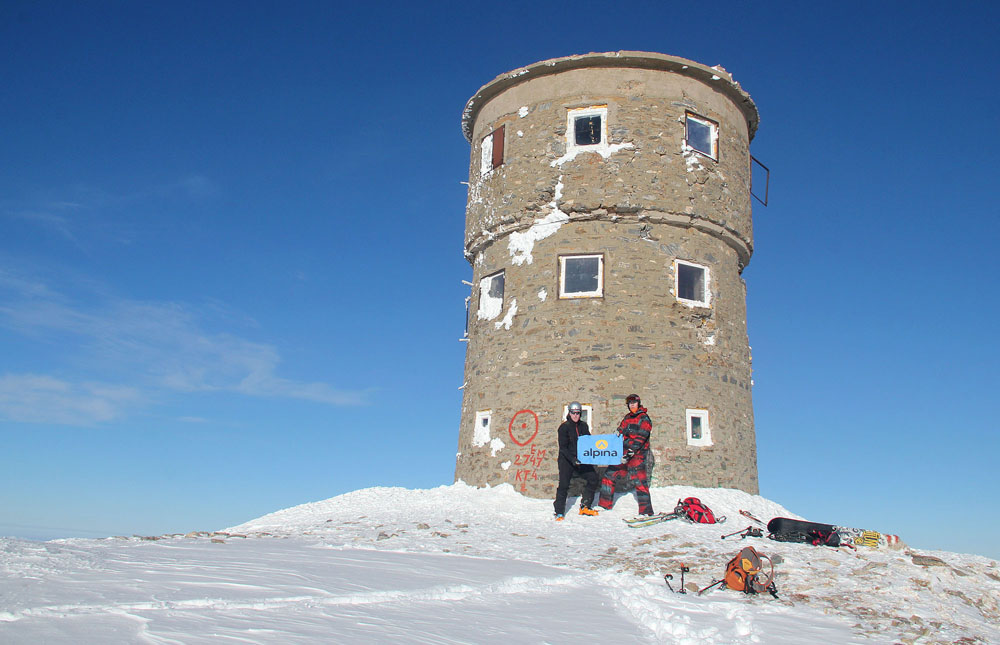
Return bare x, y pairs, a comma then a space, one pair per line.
695, 511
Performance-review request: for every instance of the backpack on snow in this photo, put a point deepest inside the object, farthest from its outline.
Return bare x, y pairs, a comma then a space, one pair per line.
695, 511
745, 573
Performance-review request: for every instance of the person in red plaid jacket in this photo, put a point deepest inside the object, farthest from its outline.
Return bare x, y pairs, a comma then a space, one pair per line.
634, 429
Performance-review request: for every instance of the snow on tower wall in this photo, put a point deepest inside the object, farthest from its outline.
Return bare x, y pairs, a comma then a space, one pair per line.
607, 225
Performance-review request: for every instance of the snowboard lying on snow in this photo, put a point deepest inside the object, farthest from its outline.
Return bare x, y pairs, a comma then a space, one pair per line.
784, 529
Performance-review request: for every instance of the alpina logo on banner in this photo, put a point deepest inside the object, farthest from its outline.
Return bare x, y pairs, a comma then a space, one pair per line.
599, 450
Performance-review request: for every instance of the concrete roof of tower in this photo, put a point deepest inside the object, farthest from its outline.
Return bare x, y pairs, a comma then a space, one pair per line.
716, 77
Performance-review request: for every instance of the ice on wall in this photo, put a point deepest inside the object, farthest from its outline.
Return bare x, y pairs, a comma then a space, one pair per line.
481, 435
496, 445
604, 149
691, 158
523, 112
542, 294
521, 243
508, 319
489, 306
486, 156
475, 191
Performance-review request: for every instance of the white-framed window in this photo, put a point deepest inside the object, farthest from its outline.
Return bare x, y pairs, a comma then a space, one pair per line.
581, 276
586, 127
698, 431
701, 135
481, 431
491, 152
491, 296
691, 283
586, 414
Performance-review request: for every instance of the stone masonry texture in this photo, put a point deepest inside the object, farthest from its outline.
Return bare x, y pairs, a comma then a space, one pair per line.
642, 200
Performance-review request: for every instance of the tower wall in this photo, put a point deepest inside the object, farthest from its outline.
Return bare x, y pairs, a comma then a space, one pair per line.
641, 200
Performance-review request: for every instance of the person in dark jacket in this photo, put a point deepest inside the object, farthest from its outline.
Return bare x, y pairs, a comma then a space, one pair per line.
635, 429
569, 432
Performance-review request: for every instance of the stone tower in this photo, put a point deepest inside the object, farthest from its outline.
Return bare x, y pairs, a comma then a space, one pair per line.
607, 225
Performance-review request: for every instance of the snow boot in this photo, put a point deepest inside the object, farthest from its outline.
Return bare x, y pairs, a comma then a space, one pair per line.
587, 511
559, 517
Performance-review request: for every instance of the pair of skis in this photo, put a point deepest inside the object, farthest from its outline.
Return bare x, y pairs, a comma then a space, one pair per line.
648, 520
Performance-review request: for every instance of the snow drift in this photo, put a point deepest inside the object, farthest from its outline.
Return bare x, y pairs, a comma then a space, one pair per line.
457, 564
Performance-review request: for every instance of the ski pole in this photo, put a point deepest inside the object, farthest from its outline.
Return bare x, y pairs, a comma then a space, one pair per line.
745, 533
667, 578
747, 529
684, 569
717, 582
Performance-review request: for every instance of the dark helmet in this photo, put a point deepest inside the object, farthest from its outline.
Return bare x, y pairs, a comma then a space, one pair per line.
632, 397
575, 407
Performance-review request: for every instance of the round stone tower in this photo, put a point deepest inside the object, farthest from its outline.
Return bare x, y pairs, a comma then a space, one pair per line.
607, 225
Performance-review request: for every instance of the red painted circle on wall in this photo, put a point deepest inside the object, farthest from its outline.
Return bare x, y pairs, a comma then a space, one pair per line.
524, 425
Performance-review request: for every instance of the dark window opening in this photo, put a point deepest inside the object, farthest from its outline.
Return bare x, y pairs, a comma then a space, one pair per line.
690, 282
498, 147
582, 275
587, 130
695, 427
496, 286
701, 135
491, 296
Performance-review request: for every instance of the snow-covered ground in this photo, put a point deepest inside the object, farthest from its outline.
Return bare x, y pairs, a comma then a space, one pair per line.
457, 564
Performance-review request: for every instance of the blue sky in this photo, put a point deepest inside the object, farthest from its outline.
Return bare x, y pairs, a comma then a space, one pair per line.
231, 251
